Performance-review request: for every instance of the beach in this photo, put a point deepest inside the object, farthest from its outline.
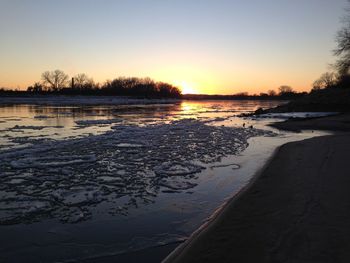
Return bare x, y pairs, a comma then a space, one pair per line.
296, 209
339, 123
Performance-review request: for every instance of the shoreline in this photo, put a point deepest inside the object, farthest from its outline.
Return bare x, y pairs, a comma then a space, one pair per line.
338, 123
208, 243
276, 219
216, 215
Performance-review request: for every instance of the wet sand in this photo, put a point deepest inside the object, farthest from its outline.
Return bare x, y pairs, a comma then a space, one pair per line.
296, 210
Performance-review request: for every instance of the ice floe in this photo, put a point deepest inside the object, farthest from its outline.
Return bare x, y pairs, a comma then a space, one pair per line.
232, 165
42, 162
97, 122
123, 168
43, 117
22, 127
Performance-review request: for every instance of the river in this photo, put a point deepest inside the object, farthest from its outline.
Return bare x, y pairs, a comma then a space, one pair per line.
122, 183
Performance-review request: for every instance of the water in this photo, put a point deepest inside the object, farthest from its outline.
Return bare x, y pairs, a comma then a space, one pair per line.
125, 183
66, 122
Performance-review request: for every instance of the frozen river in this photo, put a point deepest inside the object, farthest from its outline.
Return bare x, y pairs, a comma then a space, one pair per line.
95, 183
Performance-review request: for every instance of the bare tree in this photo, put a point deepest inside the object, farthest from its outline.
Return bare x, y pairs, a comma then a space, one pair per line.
284, 89
241, 94
56, 80
83, 81
37, 87
327, 80
342, 50
271, 92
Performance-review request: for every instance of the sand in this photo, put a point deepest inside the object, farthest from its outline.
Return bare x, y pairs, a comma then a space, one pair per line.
339, 122
296, 210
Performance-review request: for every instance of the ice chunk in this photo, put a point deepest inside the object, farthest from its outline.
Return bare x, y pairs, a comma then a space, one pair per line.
40, 162
169, 168
97, 122
129, 145
177, 184
127, 165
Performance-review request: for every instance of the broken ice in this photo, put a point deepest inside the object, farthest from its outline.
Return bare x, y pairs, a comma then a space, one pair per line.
66, 179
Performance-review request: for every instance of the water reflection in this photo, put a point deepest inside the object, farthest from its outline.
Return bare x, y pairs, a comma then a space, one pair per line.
61, 121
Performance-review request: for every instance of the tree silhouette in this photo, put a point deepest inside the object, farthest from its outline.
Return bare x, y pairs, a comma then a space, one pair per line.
83, 82
142, 87
342, 65
327, 80
36, 88
271, 93
56, 80
284, 89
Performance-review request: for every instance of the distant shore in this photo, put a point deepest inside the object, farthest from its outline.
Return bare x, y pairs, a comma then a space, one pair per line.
67, 100
295, 210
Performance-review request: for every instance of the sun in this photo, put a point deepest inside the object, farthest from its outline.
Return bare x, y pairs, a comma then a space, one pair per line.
186, 88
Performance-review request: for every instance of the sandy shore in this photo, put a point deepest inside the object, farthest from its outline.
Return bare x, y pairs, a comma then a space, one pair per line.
332, 123
296, 210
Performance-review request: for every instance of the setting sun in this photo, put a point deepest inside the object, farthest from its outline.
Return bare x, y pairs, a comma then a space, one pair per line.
186, 87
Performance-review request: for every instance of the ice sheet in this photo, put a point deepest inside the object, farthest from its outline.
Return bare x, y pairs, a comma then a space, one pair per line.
66, 179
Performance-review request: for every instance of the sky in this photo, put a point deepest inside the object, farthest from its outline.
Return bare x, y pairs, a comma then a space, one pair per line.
203, 46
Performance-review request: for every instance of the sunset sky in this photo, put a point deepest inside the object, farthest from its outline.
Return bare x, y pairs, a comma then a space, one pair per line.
205, 46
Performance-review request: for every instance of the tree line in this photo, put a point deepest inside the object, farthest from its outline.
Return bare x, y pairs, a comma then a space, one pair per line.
58, 82
283, 92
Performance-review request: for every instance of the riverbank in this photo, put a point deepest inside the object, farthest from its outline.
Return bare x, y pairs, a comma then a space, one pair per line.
295, 211
339, 122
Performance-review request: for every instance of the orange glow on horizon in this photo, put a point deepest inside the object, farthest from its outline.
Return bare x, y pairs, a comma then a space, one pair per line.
191, 78
185, 87
213, 48
194, 84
